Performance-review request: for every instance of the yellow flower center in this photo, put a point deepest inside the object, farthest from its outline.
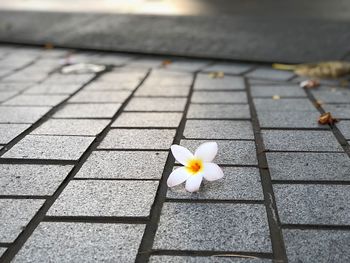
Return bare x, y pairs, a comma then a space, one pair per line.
194, 166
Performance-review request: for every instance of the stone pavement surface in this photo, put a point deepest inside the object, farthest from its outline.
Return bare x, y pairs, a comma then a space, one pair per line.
84, 160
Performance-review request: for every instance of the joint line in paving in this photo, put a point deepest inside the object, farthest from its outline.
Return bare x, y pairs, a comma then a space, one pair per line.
214, 254
277, 241
338, 135
11, 252
46, 116
145, 248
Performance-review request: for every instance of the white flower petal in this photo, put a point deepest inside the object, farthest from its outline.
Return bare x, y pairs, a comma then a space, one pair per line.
212, 172
178, 176
181, 154
207, 151
193, 183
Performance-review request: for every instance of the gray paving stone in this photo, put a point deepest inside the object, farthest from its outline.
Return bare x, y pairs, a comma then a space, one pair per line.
53, 88
267, 82
111, 86
282, 90
70, 78
223, 227
88, 110
148, 62
230, 152
10, 87
5, 95
105, 198
313, 204
344, 127
11, 131
26, 179
213, 129
189, 65
146, 139
219, 97
124, 164
119, 76
167, 78
205, 82
284, 105
309, 166
36, 100
13, 114
209, 259
15, 215
82, 242
317, 246
217, 111
288, 119
50, 147
242, 183
23, 76
2, 250
148, 119
341, 111
232, 68
165, 91
71, 127
300, 141
100, 96
332, 95
269, 73
156, 104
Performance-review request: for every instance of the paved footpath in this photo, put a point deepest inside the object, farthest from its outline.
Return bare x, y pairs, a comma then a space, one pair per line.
84, 160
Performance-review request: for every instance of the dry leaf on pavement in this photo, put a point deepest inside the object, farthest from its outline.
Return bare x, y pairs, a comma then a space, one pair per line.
328, 69
327, 118
216, 75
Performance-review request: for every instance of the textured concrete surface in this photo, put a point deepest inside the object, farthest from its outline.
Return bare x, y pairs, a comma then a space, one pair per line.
151, 139
238, 184
15, 215
123, 164
314, 245
313, 204
218, 111
27, 179
73, 242
92, 198
207, 227
307, 166
285, 192
50, 147
214, 129
71, 127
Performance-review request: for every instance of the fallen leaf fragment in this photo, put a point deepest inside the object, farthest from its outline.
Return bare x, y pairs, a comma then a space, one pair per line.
276, 97
216, 75
82, 68
311, 83
318, 103
166, 62
327, 69
48, 46
327, 118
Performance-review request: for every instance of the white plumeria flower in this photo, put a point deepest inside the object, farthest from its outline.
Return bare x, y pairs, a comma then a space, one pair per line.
195, 167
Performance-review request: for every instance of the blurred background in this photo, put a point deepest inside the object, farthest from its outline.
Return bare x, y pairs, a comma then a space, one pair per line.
253, 30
